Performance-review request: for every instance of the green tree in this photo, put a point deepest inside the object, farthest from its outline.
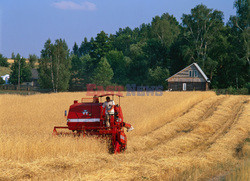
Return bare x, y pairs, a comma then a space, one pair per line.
138, 70
164, 32
103, 74
87, 69
120, 65
13, 55
46, 73
81, 72
235, 66
123, 39
142, 34
25, 71
179, 54
101, 46
243, 15
240, 27
242, 23
4, 61
165, 29
54, 66
76, 66
158, 76
2, 81
157, 53
201, 28
76, 50
85, 47
76, 63
32, 60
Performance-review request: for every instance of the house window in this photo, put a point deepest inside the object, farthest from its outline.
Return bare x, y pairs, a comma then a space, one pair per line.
193, 73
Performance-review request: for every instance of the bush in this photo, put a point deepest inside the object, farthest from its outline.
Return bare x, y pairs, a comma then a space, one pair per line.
233, 91
4, 61
243, 91
248, 87
2, 81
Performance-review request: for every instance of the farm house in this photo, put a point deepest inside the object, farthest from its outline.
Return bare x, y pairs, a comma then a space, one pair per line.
189, 79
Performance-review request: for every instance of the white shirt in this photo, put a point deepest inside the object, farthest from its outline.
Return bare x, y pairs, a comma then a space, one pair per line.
109, 107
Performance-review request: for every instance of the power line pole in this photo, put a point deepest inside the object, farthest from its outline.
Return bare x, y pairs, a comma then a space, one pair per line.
19, 74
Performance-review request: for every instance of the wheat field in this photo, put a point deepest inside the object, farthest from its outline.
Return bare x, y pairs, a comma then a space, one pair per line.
177, 136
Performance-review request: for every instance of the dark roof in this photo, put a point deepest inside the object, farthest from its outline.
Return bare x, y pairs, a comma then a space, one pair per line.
103, 95
197, 67
34, 74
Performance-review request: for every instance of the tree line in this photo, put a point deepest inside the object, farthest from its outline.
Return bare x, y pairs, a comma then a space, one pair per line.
149, 54
21, 68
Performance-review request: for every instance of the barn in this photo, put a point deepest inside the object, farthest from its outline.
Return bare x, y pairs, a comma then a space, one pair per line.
189, 79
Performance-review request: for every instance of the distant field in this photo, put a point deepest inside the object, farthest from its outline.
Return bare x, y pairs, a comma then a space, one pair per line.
7, 70
10, 60
27, 61
4, 70
177, 136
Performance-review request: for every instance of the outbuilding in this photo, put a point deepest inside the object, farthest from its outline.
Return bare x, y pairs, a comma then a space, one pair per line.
6, 78
189, 79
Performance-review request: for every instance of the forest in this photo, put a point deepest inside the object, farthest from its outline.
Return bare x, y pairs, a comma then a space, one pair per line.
150, 53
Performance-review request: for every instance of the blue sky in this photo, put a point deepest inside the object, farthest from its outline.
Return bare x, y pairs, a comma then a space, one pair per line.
25, 25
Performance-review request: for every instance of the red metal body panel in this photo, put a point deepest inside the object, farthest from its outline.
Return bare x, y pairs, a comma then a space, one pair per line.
84, 115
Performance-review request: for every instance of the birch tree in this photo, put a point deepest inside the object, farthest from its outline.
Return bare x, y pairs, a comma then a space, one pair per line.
201, 29
54, 66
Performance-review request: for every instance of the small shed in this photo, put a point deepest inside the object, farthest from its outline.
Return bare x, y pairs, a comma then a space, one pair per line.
6, 78
189, 79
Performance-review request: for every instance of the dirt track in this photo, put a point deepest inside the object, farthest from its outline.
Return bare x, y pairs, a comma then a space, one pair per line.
195, 143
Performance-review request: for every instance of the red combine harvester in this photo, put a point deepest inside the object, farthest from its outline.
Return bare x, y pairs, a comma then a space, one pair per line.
88, 118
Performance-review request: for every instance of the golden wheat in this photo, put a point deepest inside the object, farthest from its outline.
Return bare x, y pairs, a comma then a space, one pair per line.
180, 135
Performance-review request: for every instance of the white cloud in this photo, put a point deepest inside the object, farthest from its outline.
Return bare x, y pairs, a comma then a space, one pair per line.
65, 5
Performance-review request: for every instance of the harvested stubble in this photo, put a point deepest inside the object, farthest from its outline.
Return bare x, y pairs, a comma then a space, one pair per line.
180, 135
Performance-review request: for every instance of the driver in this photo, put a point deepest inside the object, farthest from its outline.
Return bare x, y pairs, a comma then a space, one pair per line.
95, 99
109, 106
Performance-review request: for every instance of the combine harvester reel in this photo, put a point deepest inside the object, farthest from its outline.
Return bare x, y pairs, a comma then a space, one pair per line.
88, 118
